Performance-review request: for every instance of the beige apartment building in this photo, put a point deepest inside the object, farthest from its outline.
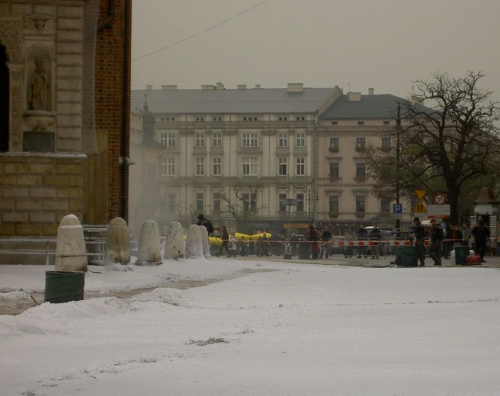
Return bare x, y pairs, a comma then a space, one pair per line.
257, 158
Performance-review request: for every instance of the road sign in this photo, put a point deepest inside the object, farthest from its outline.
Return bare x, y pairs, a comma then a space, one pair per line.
397, 208
420, 194
438, 211
439, 199
419, 208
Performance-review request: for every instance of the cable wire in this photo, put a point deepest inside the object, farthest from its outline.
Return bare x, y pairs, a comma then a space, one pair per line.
199, 33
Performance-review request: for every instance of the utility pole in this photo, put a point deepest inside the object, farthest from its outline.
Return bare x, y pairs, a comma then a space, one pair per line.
398, 131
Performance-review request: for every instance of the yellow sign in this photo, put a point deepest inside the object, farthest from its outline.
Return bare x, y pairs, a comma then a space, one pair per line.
420, 194
420, 207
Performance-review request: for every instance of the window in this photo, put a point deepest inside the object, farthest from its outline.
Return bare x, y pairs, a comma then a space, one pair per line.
282, 201
361, 123
200, 119
360, 143
387, 122
250, 140
216, 119
300, 139
199, 202
334, 170
249, 202
169, 119
385, 205
216, 139
199, 139
171, 202
199, 169
168, 166
360, 170
282, 118
333, 203
386, 142
360, 203
250, 119
216, 166
167, 140
334, 122
283, 139
300, 118
282, 166
249, 166
334, 144
300, 202
216, 202
300, 166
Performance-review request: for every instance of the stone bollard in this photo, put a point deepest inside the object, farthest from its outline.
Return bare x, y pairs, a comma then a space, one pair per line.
174, 248
70, 249
194, 248
118, 242
205, 242
149, 244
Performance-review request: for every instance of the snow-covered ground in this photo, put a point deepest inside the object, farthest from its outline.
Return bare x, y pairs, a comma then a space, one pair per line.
256, 328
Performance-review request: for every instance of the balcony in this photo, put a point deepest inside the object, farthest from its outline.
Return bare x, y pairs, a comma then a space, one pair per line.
360, 214
334, 179
360, 149
333, 149
360, 179
333, 215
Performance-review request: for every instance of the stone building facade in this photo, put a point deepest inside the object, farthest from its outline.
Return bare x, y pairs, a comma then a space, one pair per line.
260, 158
64, 100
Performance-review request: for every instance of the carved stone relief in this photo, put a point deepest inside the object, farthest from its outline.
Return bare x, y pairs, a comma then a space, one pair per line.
39, 24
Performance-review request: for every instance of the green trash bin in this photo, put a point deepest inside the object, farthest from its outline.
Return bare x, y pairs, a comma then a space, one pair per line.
62, 286
409, 256
461, 253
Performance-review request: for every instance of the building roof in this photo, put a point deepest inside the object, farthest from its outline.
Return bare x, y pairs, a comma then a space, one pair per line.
382, 106
235, 101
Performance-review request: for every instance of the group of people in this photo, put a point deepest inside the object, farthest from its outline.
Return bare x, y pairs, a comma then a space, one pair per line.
441, 243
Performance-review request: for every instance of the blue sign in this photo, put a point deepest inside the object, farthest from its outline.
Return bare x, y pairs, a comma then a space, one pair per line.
397, 208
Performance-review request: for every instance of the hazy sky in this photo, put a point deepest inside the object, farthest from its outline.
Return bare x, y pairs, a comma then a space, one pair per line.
355, 44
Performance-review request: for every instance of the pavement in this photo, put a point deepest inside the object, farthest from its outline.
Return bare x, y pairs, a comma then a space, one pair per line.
382, 262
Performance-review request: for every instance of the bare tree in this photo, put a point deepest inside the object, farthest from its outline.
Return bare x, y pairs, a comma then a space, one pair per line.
242, 202
450, 146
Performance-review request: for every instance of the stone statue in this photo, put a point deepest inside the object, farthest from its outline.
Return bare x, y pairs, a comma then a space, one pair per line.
37, 96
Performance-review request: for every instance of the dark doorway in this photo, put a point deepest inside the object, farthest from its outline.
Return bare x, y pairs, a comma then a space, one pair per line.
4, 101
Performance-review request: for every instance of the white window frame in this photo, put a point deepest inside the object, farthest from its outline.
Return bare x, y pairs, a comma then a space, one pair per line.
282, 166
250, 167
216, 166
250, 139
168, 139
168, 166
199, 166
300, 139
283, 139
300, 166
216, 139
199, 139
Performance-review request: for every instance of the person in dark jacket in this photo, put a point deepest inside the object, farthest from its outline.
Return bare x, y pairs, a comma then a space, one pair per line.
361, 235
481, 234
375, 237
436, 241
419, 234
225, 240
326, 236
202, 220
313, 239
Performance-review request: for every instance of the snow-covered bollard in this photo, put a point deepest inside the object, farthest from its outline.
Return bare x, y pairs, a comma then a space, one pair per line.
194, 248
174, 248
149, 244
205, 242
118, 242
70, 249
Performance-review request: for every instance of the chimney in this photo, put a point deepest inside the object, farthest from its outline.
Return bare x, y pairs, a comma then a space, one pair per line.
371, 91
149, 87
354, 96
242, 86
295, 87
220, 85
169, 87
257, 86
